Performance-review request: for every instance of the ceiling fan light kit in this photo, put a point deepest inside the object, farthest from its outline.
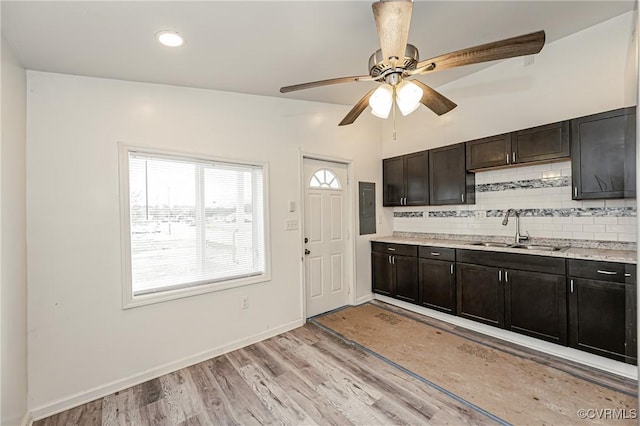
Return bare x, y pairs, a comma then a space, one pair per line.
381, 101
408, 96
396, 62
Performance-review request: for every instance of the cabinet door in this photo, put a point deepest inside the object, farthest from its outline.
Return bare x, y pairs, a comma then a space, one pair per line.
480, 294
448, 176
489, 152
406, 278
393, 181
599, 146
437, 285
597, 317
381, 274
540, 143
536, 305
631, 320
417, 179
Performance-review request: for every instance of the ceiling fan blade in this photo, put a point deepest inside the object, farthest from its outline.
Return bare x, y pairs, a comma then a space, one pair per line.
433, 100
319, 83
527, 44
393, 18
357, 109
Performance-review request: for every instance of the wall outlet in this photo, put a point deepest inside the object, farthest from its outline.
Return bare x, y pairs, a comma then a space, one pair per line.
291, 225
481, 214
244, 302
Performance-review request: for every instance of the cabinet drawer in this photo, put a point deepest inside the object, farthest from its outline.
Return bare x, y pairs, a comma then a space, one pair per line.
603, 271
522, 262
437, 253
398, 249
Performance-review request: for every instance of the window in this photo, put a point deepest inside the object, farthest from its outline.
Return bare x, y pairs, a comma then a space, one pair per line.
324, 179
193, 225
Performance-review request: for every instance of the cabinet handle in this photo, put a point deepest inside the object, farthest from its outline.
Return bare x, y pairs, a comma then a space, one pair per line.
452, 269
627, 275
405, 201
434, 253
571, 286
507, 158
500, 275
391, 249
606, 272
575, 192
393, 260
462, 197
389, 258
514, 158
506, 276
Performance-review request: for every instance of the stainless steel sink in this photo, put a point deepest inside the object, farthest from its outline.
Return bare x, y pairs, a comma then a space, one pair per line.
489, 244
536, 247
518, 246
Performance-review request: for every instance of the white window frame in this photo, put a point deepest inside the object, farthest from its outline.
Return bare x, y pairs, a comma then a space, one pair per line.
128, 298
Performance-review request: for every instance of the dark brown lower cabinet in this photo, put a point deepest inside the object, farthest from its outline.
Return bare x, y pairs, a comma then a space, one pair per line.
536, 305
395, 275
406, 278
602, 309
381, 274
528, 302
599, 319
437, 285
588, 305
480, 294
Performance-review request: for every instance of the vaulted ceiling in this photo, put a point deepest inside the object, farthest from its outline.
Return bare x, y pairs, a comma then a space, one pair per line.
256, 47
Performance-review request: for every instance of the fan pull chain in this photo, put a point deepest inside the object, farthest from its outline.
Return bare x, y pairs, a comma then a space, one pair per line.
393, 107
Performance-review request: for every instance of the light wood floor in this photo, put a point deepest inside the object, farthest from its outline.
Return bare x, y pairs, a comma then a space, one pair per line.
305, 376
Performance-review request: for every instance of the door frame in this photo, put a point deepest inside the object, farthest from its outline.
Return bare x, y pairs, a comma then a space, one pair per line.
349, 191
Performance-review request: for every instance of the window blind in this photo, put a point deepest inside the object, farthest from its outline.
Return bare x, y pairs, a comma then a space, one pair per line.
193, 222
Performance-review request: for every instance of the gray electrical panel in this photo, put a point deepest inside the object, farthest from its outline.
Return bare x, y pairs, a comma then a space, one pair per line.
367, 203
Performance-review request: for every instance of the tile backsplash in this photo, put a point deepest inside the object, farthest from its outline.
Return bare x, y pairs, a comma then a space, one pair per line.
541, 194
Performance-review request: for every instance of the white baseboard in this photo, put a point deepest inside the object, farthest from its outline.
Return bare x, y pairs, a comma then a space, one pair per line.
585, 358
72, 401
364, 299
27, 420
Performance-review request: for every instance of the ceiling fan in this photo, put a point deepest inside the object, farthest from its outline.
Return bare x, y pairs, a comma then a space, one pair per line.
396, 62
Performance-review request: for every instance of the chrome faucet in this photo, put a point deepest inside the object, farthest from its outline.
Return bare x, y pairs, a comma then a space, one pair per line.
519, 238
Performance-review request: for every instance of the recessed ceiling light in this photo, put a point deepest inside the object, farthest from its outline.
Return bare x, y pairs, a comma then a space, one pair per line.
169, 38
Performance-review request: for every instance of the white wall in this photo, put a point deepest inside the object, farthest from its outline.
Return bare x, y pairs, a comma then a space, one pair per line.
13, 273
81, 343
588, 72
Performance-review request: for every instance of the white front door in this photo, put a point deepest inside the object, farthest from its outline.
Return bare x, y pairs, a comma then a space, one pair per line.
326, 231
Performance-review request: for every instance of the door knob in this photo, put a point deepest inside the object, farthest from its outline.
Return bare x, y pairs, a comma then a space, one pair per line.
306, 251
306, 240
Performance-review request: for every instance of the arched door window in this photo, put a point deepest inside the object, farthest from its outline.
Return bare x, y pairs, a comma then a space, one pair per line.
324, 179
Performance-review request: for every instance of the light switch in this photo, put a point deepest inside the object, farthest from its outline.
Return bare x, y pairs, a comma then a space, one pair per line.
292, 206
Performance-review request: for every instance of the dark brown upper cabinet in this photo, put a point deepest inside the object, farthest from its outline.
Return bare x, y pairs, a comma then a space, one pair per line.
603, 155
493, 151
537, 144
449, 181
405, 180
540, 143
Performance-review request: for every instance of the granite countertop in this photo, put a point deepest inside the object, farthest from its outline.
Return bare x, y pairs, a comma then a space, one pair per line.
588, 253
